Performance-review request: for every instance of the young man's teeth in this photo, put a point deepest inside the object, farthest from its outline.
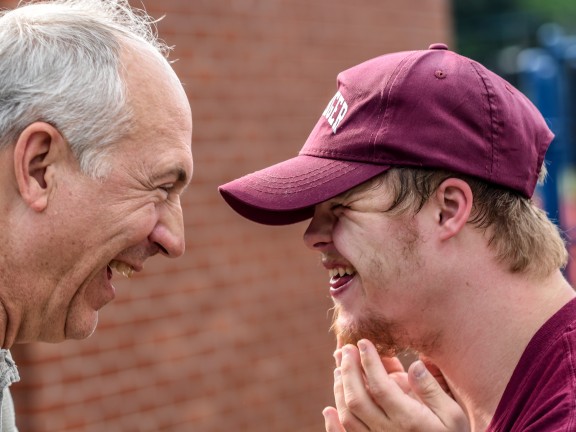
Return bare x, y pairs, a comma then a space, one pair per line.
122, 268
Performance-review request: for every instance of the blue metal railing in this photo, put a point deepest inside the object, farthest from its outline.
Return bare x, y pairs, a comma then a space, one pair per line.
543, 77
547, 75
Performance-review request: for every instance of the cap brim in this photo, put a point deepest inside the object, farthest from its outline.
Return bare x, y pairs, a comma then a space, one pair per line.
287, 192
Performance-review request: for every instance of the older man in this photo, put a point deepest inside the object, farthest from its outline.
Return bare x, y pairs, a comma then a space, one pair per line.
95, 150
418, 180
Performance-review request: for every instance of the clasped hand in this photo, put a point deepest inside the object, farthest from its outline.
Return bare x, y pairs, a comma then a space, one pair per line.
373, 394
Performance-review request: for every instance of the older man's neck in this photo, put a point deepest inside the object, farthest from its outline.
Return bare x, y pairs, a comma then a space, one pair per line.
6, 338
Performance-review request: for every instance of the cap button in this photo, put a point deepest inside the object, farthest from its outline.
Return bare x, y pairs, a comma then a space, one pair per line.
438, 46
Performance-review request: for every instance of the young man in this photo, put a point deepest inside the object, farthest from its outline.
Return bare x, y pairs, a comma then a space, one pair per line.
418, 180
95, 149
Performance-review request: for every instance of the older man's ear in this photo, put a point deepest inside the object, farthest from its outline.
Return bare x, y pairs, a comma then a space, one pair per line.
36, 153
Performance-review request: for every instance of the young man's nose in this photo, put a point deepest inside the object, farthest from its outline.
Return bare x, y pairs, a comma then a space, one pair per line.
318, 235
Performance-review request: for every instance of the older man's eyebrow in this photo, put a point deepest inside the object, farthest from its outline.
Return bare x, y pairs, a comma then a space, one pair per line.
178, 172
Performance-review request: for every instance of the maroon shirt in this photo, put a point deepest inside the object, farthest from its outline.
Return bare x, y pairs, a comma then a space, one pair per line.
541, 394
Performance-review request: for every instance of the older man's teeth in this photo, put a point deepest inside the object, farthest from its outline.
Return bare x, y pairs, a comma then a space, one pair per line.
340, 271
122, 268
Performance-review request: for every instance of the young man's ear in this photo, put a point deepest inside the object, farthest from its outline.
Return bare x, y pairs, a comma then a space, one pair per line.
38, 147
454, 198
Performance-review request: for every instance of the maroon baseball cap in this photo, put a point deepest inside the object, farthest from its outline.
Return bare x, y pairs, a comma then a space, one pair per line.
424, 109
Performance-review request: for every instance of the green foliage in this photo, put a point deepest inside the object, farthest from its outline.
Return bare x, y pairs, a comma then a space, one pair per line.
560, 11
485, 27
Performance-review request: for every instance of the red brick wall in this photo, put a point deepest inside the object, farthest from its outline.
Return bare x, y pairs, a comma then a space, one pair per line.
234, 335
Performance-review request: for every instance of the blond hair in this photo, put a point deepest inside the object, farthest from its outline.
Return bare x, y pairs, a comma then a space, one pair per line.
520, 233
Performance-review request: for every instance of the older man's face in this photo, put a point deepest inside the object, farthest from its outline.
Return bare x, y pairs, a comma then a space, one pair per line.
120, 221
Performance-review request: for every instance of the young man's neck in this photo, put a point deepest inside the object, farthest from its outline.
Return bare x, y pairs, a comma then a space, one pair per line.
480, 352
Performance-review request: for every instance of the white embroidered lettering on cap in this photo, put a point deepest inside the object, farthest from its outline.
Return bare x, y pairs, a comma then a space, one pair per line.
336, 110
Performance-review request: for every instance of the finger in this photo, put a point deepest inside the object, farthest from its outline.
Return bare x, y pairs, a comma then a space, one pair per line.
430, 392
359, 404
346, 417
392, 364
396, 372
338, 357
339, 342
401, 380
331, 420
436, 373
386, 390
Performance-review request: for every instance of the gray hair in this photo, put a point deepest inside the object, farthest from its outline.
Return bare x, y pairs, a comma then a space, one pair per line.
60, 63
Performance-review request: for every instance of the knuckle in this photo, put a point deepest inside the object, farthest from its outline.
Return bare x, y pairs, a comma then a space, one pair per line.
378, 392
407, 424
347, 419
346, 368
354, 403
430, 388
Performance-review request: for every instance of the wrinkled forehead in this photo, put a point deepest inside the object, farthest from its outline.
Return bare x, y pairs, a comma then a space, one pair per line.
143, 64
153, 88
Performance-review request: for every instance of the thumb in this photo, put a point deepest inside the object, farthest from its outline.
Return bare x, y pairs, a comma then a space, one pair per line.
430, 392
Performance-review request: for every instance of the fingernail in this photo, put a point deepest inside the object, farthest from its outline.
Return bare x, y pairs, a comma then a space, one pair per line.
362, 346
419, 370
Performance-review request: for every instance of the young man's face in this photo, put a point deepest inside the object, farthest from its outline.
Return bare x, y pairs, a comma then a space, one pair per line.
119, 221
376, 263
